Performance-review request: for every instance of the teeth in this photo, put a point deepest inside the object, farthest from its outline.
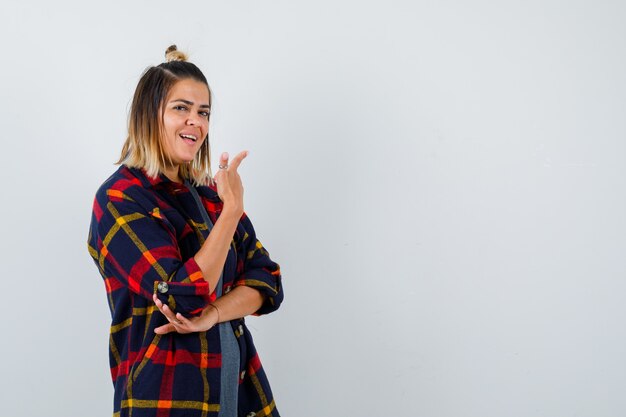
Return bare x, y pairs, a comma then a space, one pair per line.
189, 137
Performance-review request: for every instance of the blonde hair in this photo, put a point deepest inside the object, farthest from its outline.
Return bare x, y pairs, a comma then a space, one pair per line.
143, 147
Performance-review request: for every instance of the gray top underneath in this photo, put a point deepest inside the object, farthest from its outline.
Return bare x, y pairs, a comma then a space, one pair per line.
229, 346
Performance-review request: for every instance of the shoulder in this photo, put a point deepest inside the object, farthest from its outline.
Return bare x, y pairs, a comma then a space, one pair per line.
124, 185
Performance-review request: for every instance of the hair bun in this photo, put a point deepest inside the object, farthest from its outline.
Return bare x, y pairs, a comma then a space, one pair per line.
173, 54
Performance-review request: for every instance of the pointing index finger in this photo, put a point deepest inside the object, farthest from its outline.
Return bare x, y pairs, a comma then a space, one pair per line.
236, 161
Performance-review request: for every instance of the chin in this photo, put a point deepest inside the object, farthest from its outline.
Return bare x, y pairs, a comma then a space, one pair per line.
187, 158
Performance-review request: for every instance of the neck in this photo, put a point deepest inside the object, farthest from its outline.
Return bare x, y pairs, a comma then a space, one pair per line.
171, 172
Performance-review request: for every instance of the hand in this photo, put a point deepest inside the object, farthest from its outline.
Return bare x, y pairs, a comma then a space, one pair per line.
178, 323
229, 186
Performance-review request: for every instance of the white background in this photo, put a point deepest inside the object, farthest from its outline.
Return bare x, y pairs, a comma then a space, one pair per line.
442, 182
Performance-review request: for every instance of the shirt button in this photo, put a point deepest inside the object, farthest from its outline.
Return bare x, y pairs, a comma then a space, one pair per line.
243, 373
162, 287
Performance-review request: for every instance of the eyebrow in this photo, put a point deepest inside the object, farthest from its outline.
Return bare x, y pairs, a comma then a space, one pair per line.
190, 103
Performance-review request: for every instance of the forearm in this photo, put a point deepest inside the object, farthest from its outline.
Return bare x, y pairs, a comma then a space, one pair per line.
239, 302
212, 255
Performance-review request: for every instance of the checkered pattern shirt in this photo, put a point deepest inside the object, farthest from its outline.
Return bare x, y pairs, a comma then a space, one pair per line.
145, 231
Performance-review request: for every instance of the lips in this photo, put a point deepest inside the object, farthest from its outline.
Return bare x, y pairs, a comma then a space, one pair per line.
188, 137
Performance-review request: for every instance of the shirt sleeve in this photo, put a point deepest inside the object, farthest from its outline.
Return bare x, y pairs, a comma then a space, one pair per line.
137, 247
259, 271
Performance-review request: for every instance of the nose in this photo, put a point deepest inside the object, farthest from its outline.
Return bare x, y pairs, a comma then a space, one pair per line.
193, 120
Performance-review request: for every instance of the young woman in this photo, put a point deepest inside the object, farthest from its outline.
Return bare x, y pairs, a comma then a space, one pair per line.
180, 260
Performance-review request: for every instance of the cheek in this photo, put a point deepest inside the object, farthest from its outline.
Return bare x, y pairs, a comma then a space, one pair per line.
168, 125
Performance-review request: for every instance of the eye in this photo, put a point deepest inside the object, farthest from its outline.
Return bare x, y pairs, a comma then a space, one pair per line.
180, 107
205, 114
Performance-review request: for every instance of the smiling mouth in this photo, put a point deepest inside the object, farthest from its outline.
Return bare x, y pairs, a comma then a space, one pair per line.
189, 137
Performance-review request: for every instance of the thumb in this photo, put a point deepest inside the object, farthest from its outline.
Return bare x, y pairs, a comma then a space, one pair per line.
166, 328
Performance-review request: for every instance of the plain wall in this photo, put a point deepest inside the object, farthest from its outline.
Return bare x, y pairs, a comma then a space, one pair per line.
442, 182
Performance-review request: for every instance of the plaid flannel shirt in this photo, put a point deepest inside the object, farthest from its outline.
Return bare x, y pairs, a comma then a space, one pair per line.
145, 231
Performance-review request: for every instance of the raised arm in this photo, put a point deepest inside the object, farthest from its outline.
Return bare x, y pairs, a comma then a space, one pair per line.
135, 247
212, 255
258, 289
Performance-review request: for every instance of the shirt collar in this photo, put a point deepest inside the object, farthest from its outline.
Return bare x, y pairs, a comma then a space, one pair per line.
146, 180
162, 180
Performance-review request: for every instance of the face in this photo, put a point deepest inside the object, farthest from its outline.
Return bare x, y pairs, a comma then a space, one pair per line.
185, 120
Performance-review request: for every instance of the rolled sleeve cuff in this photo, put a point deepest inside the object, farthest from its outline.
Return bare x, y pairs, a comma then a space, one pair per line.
187, 292
268, 284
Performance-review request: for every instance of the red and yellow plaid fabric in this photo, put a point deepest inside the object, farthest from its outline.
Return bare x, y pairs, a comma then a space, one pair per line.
145, 231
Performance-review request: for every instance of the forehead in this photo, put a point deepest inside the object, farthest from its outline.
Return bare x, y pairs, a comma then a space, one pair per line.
190, 90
